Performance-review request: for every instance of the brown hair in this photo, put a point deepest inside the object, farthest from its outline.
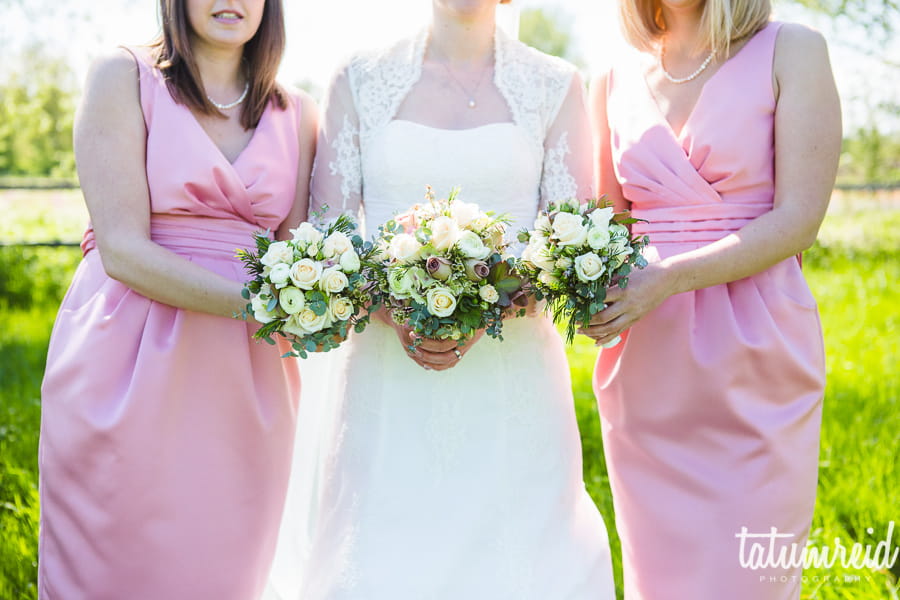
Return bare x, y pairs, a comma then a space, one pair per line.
723, 22
175, 59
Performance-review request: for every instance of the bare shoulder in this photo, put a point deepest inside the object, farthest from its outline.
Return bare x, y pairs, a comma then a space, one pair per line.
798, 48
115, 71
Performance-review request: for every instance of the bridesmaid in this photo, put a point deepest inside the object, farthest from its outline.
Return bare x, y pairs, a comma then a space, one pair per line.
167, 433
723, 132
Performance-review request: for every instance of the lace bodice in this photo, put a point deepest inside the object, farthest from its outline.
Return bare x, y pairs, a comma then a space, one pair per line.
369, 159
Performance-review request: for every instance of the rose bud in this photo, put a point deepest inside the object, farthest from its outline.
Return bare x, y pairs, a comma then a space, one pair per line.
476, 270
438, 267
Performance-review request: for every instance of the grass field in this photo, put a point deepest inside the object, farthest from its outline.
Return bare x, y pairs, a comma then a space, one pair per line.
853, 270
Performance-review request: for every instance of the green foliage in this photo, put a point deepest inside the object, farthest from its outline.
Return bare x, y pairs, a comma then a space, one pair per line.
853, 271
37, 108
549, 32
870, 157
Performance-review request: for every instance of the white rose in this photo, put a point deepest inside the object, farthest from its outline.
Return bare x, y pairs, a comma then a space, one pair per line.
597, 239
618, 231
564, 262
589, 267
306, 234
312, 250
279, 275
292, 326
444, 233
540, 256
548, 279
404, 248
400, 282
480, 223
569, 229
340, 308
471, 246
464, 212
278, 252
292, 300
601, 217
350, 261
333, 281
336, 244
489, 293
310, 321
305, 273
440, 301
258, 304
619, 250
572, 204
542, 223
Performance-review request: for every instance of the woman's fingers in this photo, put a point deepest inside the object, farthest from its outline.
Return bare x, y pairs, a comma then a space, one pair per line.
607, 332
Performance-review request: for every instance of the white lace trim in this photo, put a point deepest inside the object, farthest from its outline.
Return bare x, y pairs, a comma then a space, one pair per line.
347, 163
557, 182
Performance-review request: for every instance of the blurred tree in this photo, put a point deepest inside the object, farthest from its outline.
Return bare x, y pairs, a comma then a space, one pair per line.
548, 32
877, 16
37, 106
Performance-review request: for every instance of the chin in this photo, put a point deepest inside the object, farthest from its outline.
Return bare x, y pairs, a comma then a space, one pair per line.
467, 7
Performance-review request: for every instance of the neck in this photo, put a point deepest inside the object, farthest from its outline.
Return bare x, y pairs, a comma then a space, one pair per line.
220, 68
466, 40
683, 31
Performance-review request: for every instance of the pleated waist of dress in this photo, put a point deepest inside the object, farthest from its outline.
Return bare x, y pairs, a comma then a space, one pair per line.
694, 224
191, 233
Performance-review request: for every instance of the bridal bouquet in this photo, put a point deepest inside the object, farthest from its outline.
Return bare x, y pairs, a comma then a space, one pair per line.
441, 268
575, 252
311, 289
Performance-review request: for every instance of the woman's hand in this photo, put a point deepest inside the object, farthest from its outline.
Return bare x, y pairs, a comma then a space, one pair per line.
647, 289
428, 353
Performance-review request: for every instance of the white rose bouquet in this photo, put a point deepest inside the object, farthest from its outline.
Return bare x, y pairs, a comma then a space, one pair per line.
441, 268
574, 253
311, 289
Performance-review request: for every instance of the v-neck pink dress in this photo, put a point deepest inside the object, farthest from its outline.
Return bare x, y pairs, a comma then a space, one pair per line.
711, 408
166, 434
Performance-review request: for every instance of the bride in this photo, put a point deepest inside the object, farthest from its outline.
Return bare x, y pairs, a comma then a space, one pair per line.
452, 473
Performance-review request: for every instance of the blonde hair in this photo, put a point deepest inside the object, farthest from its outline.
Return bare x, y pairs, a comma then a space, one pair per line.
723, 22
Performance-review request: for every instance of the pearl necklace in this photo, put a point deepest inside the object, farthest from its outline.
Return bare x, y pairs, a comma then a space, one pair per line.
231, 104
690, 77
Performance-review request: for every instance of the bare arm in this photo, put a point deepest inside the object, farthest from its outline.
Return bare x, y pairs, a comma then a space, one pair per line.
110, 142
807, 148
605, 180
308, 133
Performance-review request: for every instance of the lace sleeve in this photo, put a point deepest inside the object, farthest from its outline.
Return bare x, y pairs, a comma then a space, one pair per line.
337, 172
568, 170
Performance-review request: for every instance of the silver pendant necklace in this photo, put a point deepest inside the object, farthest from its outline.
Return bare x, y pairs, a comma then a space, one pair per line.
472, 103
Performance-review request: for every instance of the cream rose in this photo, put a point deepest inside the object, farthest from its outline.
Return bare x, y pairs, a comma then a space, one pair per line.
404, 248
336, 244
440, 301
464, 212
563, 262
293, 327
310, 321
350, 261
292, 300
305, 273
569, 229
306, 234
489, 294
540, 256
333, 281
340, 308
548, 279
280, 275
444, 233
601, 217
589, 267
278, 252
313, 249
542, 223
471, 246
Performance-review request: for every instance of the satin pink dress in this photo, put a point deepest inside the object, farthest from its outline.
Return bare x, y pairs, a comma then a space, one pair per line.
166, 434
711, 408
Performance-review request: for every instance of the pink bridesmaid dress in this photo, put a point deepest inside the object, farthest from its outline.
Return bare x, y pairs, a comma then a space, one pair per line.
166, 435
711, 407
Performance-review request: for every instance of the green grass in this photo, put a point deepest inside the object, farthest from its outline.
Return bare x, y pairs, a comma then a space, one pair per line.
853, 271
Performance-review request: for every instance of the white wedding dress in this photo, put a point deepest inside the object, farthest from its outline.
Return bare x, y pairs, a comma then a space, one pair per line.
464, 484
